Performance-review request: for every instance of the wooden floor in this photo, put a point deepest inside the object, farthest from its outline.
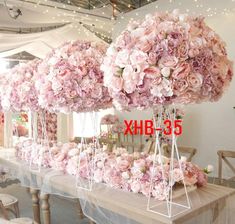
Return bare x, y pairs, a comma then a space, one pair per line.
63, 211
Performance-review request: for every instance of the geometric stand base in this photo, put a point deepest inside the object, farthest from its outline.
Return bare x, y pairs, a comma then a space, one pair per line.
163, 209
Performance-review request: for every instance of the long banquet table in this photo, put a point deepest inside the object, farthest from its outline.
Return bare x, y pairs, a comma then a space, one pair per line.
211, 204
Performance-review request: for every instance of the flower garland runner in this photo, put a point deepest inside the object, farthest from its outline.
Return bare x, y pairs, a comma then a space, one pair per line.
166, 58
118, 169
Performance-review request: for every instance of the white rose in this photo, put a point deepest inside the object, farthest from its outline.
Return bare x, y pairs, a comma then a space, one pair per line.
125, 175
210, 168
166, 71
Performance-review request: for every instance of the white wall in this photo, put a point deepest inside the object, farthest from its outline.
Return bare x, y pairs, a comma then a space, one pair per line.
209, 126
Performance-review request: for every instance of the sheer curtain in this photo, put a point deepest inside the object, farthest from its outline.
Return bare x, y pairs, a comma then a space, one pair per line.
88, 124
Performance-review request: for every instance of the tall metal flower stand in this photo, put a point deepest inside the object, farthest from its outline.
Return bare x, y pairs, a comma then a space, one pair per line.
170, 205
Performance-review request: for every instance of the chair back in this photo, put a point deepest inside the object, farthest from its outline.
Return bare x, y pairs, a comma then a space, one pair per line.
224, 156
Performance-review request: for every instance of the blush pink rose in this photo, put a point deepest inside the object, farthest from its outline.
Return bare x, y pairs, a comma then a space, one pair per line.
140, 164
122, 164
180, 86
122, 58
138, 57
177, 175
117, 84
168, 61
135, 187
145, 188
195, 81
182, 71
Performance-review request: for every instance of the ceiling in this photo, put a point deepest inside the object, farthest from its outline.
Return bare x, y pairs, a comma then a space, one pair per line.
120, 5
96, 16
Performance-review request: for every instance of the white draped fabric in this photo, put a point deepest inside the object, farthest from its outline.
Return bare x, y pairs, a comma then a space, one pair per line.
39, 44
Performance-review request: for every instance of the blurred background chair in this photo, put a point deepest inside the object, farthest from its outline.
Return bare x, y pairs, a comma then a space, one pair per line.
189, 152
10, 204
225, 156
5, 220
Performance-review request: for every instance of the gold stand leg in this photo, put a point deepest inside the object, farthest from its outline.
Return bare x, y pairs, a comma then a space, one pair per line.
36, 205
45, 208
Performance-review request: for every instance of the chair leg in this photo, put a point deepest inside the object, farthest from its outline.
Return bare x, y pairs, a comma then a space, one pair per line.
80, 213
17, 210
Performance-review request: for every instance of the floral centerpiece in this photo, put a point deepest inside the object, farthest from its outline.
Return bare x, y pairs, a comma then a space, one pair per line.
162, 61
166, 58
19, 93
70, 79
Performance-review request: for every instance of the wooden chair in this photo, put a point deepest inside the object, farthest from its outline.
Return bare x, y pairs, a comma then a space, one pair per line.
5, 219
10, 203
189, 151
223, 155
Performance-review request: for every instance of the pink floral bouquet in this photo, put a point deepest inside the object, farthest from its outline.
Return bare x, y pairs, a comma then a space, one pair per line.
166, 58
18, 92
70, 79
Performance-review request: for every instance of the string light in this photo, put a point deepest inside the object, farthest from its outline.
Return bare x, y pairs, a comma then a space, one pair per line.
210, 11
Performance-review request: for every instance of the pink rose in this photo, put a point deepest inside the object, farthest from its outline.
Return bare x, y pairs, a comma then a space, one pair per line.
195, 81
182, 71
177, 175
152, 58
163, 89
122, 58
122, 164
140, 164
152, 72
160, 191
144, 45
135, 187
168, 61
145, 188
201, 179
183, 50
190, 179
138, 57
116, 84
180, 86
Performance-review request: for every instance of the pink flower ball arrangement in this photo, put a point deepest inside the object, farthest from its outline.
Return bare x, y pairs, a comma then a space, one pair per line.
109, 119
70, 78
19, 93
166, 58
